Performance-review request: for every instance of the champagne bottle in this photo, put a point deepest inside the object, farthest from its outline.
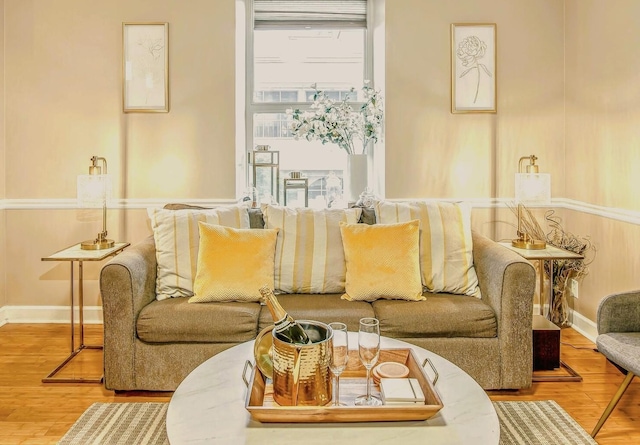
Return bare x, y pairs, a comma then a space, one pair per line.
287, 329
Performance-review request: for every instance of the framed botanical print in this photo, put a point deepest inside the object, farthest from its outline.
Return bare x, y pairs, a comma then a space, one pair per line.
473, 68
145, 67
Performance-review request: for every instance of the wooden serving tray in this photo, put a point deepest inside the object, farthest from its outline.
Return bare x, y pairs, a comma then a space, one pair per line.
260, 403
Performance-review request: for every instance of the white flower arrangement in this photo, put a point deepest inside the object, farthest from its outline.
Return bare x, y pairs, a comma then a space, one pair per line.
336, 122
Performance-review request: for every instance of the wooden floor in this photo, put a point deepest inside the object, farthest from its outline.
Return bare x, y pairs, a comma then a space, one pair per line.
35, 413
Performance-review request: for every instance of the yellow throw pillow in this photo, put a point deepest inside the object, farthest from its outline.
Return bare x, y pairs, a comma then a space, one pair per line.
446, 247
383, 261
177, 238
233, 263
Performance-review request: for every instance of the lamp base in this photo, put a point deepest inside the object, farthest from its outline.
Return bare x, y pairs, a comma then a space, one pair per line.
529, 244
97, 244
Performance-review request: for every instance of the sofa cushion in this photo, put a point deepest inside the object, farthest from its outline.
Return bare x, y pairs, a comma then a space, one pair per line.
446, 246
309, 255
177, 239
325, 308
175, 320
233, 263
441, 315
383, 261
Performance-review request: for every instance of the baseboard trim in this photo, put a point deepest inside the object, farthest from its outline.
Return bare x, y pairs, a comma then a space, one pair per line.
49, 314
585, 326
3, 317
93, 315
580, 323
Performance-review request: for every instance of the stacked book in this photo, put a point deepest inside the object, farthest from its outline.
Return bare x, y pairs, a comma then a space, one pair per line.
402, 391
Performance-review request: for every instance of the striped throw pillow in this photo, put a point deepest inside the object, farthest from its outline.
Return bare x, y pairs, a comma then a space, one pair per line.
309, 253
446, 249
177, 239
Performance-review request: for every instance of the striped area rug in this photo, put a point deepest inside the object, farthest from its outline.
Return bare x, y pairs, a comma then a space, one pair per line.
120, 423
521, 423
539, 423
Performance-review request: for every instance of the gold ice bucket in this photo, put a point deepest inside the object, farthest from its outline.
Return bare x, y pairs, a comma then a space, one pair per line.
301, 375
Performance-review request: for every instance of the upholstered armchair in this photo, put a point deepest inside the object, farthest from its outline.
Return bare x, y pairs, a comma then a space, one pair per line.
618, 339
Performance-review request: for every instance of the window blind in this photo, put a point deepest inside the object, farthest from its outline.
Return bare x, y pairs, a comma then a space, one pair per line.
314, 13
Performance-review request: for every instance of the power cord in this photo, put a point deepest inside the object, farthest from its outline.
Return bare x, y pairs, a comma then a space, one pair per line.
579, 347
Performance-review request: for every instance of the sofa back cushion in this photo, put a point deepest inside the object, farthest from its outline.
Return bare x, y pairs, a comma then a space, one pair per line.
446, 248
309, 254
177, 239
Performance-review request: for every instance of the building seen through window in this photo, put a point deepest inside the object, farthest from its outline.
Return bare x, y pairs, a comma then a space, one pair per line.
289, 59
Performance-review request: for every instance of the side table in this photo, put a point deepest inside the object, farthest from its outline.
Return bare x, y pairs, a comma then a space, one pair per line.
543, 332
72, 254
549, 253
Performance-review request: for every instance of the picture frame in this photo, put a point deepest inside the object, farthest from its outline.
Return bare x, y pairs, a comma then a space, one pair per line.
145, 67
473, 68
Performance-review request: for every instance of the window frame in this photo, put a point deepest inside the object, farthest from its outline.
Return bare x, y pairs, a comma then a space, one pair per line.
252, 108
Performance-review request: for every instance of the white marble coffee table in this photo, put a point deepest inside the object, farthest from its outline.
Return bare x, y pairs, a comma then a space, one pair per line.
209, 408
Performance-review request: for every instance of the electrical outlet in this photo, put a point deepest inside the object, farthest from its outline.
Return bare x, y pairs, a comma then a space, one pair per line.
574, 288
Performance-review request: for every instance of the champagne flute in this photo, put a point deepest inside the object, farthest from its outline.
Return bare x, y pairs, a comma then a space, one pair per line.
339, 355
369, 350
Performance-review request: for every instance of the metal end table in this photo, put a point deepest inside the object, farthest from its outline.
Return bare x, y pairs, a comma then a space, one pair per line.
549, 253
72, 254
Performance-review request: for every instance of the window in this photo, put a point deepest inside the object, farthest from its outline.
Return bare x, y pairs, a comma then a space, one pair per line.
292, 45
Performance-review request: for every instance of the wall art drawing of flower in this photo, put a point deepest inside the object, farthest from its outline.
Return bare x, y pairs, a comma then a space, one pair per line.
470, 51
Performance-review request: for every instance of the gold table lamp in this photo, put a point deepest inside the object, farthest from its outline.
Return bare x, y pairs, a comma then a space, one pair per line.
94, 190
532, 188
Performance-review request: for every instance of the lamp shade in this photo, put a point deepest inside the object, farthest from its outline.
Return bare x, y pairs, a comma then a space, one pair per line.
533, 188
94, 191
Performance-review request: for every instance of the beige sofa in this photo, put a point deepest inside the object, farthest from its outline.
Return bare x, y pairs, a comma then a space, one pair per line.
153, 345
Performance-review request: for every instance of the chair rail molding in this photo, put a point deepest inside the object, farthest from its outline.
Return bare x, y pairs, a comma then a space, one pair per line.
615, 213
62, 204
618, 214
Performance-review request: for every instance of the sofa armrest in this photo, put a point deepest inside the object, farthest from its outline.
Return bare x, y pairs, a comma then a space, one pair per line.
127, 284
507, 284
619, 313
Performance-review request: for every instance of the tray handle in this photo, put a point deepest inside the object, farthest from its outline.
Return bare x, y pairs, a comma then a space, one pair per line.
426, 360
248, 364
